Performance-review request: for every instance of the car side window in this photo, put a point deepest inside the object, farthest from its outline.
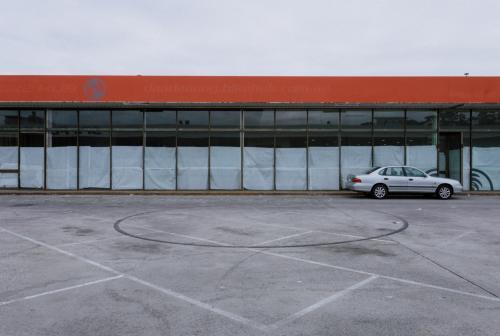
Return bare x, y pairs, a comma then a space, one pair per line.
395, 171
413, 172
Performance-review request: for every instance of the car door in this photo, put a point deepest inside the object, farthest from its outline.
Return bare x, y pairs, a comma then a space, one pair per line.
395, 179
418, 181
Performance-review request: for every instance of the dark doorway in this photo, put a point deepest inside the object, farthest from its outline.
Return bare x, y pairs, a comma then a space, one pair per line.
450, 155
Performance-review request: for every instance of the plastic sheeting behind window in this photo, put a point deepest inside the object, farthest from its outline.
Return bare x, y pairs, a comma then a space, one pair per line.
32, 167
8, 180
486, 168
422, 157
61, 167
159, 165
323, 168
355, 160
192, 168
466, 168
291, 168
94, 167
127, 167
225, 167
388, 156
258, 168
8, 157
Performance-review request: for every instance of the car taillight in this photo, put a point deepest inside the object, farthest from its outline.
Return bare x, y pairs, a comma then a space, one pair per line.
356, 180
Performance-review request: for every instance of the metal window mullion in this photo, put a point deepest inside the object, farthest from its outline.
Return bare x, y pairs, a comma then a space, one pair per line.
110, 150
143, 150
307, 149
209, 135
45, 151
274, 150
242, 138
470, 150
78, 150
405, 139
176, 149
19, 149
372, 140
340, 149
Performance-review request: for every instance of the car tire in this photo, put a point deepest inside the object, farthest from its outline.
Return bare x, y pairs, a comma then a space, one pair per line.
379, 191
444, 192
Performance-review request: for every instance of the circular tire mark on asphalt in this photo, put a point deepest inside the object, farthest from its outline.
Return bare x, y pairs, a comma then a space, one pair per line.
118, 228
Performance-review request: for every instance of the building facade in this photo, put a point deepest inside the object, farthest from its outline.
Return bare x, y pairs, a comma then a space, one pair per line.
243, 133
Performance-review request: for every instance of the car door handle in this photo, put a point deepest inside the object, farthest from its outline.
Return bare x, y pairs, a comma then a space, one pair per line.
385, 178
410, 179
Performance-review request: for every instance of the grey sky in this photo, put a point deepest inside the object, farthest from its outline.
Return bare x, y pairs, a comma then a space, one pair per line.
252, 37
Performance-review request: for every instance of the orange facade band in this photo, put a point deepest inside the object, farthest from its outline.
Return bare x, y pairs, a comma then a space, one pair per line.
249, 89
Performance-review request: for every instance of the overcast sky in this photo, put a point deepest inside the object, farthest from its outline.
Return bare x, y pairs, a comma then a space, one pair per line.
250, 37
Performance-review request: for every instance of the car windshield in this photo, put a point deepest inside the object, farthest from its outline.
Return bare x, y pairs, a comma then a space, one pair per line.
371, 170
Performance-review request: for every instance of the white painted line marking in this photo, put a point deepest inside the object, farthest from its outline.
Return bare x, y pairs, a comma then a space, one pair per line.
169, 292
422, 284
325, 232
60, 290
182, 235
69, 254
200, 304
417, 283
99, 240
285, 237
454, 239
322, 303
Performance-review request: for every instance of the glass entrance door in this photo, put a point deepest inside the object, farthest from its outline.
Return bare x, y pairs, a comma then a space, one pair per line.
450, 155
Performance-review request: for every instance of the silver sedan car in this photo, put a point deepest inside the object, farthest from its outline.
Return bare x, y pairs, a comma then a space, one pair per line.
381, 181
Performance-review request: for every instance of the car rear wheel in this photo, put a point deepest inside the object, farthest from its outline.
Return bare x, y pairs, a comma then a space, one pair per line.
444, 192
379, 191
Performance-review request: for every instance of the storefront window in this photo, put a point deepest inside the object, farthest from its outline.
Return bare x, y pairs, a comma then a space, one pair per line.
8, 119
94, 162
127, 119
485, 161
354, 119
62, 119
486, 120
388, 148
323, 161
192, 164
421, 151
160, 160
192, 119
259, 119
8, 159
32, 118
225, 160
161, 119
356, 153
225, 119
258, 161
291, 161
95, 119
424, 120
32, 160
385, 120
291, 119
61, 160
126, 160
454, 120
319, 119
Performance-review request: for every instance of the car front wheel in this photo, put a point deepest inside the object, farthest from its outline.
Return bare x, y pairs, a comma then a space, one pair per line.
379, 191
444, 192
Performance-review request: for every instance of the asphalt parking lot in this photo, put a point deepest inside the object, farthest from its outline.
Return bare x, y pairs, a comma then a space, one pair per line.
249, 265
